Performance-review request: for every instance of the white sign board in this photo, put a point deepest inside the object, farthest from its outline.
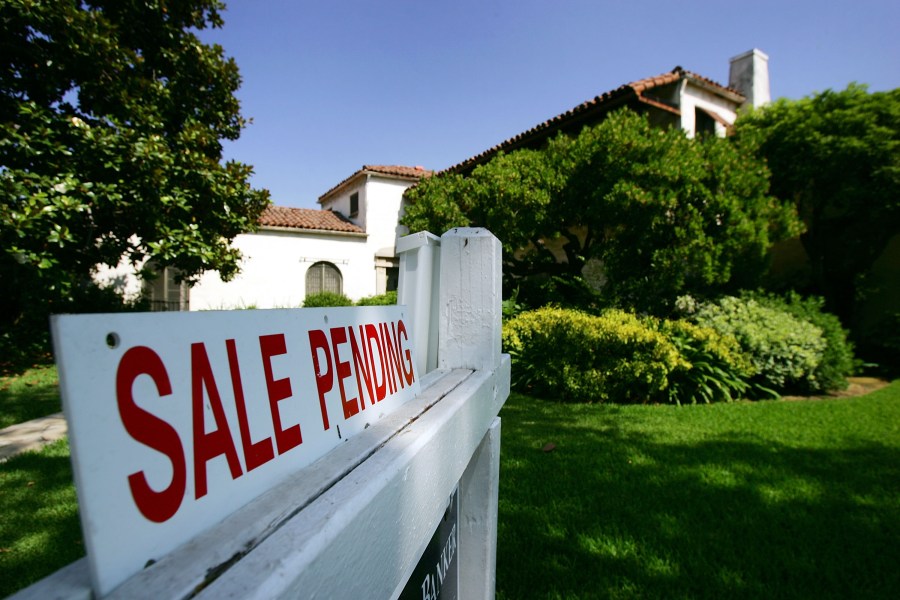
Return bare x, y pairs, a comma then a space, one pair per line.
178, 419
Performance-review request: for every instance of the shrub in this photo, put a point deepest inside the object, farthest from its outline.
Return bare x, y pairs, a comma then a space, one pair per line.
884, 347
28, 342
715, 368
325, 299
571, 355
511, 306
385, 299
838, 359
785, 351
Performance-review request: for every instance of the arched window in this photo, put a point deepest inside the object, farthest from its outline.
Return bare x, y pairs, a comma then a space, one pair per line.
164, 291
323, 277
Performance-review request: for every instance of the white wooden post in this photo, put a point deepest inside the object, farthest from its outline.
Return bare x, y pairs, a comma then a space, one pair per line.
470, 338
470, 291
479, 497
420, 263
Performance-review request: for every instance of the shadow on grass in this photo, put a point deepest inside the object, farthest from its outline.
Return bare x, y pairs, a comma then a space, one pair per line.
39, 528
615, 512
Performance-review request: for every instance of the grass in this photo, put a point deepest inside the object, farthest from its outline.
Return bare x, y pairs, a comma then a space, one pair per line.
39, 527
33, 394
744, 500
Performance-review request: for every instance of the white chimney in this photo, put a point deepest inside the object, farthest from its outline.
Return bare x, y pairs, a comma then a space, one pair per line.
749, 74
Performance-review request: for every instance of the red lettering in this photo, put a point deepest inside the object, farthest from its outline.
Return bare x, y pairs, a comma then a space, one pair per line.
342, 369
151, 431
278, 389
324, 378
380, 387
208, 445
389, 358
398, 359
361, 364
409, 374
261, 452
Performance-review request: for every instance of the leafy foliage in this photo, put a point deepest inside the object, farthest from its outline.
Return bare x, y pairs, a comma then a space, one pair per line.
838, 361
836, 156
714, 368
619, 357
659, 213
385, 299
887, 344
326, 299
111, 121
573, 356
785, 351
28, 342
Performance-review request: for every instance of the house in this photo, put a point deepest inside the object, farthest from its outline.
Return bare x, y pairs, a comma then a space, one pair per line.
348, 245
678, 98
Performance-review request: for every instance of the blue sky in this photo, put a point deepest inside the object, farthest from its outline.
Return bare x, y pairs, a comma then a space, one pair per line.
332, 85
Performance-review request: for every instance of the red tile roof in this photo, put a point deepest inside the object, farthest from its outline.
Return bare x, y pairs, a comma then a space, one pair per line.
399, 171
307, 218
392, 171
588, 111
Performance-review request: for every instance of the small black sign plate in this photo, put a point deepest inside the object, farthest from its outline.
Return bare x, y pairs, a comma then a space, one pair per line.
436, 576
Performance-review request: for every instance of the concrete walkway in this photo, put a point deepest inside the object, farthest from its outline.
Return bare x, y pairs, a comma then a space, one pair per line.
31, 435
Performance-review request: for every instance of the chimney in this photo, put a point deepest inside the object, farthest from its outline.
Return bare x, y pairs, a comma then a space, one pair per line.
749, 74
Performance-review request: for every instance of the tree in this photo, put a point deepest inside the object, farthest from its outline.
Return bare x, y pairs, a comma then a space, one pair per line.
112, 115
836, 156
660, 213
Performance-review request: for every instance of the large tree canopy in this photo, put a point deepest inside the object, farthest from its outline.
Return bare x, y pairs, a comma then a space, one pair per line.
660, 214
836, 155
111, 119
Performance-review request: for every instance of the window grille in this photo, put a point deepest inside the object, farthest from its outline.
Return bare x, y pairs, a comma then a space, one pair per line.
323, 277
166, 293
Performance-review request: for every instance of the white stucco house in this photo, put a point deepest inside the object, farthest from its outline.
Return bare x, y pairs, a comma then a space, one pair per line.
348, 245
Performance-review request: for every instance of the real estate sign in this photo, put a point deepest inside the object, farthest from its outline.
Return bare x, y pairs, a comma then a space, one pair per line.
178, 419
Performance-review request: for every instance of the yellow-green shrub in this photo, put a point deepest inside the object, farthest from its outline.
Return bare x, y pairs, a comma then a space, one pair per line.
715, 368
570, 355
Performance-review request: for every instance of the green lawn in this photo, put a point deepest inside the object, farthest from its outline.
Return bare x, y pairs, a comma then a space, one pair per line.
33, 394
746, 500
39, 527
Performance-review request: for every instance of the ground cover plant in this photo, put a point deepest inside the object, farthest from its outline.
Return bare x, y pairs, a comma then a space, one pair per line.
739, 500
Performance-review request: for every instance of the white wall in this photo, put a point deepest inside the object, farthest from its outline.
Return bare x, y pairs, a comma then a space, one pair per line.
122, 278
382, 211
273, 270
694, 97
380, 199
